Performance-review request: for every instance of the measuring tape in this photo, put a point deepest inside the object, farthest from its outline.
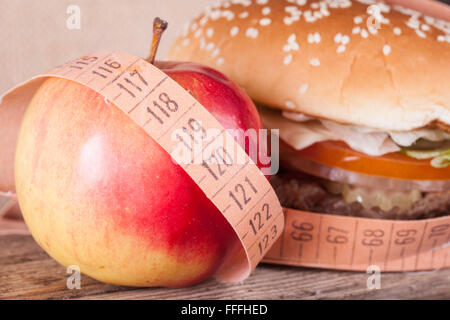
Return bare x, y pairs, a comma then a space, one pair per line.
349, 243
294, 238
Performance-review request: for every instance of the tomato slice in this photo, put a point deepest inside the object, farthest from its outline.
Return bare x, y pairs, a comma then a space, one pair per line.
393, 165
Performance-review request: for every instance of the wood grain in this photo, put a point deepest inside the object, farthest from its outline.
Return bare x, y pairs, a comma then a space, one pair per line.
27, 272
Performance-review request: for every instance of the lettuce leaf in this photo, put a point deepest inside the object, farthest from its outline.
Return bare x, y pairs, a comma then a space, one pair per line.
440, 157
441, 161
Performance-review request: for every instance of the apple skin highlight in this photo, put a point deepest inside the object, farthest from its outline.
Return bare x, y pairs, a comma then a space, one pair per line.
97, 192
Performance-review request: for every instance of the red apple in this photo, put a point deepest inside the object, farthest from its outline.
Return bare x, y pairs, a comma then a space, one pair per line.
96, 191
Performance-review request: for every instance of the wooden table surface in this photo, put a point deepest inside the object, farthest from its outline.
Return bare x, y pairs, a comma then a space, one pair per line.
27, 272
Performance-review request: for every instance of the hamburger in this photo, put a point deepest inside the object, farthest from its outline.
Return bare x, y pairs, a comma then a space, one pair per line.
360, 93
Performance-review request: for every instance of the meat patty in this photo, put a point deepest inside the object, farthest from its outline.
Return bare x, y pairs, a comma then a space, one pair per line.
305, 192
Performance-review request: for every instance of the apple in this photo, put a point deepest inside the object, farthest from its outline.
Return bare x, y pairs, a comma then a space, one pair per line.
97, 192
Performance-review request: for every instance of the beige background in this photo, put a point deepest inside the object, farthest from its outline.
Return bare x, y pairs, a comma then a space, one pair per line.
34, 36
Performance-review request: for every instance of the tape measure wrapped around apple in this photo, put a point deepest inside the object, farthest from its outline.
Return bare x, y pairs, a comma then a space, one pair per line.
102, 192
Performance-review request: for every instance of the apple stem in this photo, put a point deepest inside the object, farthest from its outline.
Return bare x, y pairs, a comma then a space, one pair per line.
159, 26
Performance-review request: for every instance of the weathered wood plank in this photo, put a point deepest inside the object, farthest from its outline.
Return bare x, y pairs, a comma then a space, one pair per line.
27, 272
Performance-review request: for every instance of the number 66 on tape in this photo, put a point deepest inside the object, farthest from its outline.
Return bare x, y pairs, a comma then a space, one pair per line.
160, 106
